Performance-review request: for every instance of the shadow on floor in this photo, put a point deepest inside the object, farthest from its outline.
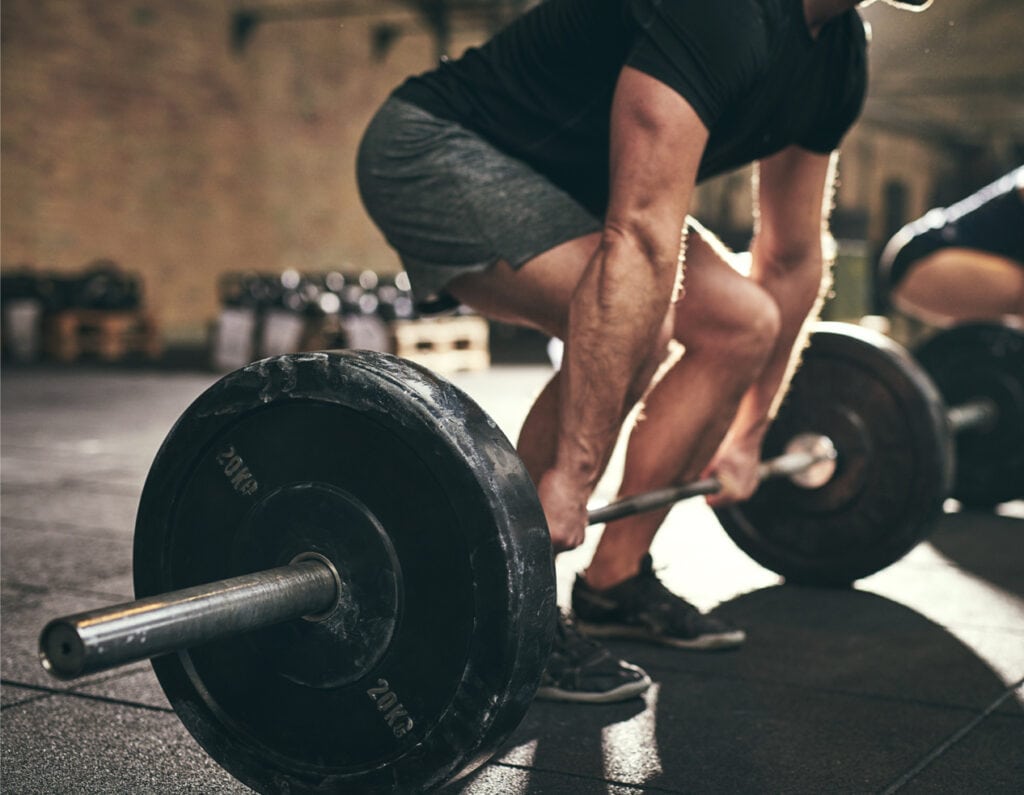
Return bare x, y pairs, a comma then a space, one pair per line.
987, 546
836, 691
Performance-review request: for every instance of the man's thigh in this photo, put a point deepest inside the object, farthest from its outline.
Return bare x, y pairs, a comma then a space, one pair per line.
451, 204
536, 294
716, 298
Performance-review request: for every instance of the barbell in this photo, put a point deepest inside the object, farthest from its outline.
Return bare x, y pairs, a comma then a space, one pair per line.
352, 567
911, 431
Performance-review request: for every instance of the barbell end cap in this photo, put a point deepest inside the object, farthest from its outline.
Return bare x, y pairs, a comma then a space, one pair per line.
822, 456
61, 651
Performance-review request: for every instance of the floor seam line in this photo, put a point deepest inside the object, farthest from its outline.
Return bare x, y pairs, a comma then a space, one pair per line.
46, 692
952, 740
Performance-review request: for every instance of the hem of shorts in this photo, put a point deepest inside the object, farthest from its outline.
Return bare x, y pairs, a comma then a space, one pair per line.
440, 300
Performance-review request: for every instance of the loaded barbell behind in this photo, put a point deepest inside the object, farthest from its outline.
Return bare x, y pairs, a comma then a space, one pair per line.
900, 448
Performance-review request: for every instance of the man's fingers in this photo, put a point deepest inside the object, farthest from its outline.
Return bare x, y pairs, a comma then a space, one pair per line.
731, 486
732, 489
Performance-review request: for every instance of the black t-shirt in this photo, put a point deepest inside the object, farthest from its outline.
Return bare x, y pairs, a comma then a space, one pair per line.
990, 220
541, 89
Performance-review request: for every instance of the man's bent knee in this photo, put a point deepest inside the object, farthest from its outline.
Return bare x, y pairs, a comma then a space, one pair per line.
743, 330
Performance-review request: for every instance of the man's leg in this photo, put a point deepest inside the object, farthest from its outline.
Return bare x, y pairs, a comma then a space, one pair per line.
728, 326
538, 295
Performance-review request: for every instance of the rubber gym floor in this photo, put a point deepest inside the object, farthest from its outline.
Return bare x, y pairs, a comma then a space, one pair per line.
911, 682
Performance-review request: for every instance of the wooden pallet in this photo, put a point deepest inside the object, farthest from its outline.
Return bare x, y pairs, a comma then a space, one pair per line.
444, 344
108, 334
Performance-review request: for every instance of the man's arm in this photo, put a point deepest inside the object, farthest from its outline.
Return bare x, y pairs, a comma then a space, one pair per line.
794, 198
617, 317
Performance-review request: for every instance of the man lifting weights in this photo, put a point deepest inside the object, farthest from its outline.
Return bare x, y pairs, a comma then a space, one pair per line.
545, 178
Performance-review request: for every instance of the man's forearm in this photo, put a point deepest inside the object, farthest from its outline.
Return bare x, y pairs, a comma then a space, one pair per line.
620, 305
615, 332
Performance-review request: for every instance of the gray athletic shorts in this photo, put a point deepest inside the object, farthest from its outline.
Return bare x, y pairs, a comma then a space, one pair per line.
450, 203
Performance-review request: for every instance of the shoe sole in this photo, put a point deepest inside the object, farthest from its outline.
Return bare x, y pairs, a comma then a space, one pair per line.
725, 640
621, 693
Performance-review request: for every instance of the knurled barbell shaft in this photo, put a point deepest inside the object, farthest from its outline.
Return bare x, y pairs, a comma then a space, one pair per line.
107, 637
784, 465
971, 415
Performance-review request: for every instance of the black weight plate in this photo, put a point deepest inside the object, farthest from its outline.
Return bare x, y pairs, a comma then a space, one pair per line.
867, 394
983, 361
439, 539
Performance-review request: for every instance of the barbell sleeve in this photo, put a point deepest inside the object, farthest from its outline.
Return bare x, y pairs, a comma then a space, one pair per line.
973, 415
814, 449
107, 637
649, 501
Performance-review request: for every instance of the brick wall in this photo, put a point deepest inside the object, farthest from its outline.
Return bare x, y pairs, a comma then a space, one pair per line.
133, 130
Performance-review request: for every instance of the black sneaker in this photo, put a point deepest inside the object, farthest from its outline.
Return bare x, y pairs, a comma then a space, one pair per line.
642, 608
580, 669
